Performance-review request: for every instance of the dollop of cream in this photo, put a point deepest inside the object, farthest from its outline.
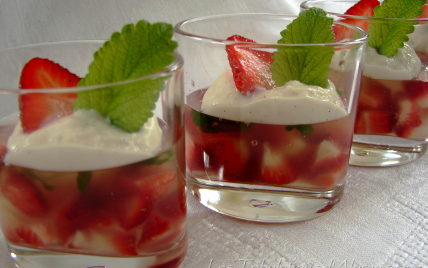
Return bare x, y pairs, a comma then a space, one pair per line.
294, 103
80, 142
405, 65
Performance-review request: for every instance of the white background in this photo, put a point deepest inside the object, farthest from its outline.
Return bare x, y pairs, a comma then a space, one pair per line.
382, 220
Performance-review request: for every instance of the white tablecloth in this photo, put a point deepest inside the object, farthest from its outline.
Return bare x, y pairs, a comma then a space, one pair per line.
382, 220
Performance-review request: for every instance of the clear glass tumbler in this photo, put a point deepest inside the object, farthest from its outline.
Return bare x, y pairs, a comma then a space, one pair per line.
76, 203
271, 169
391, 127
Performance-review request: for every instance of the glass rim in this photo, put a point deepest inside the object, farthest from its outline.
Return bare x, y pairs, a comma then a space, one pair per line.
178, 30
171, 68
304, 5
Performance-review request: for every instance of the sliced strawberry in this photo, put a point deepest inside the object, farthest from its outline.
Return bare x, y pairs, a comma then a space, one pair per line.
25, 235
374, 122
152, 183
373, 94
22, 193
250, 67
362, 8
415, 89
275, 169
40, 108
154, 227
409, 117
103, 243
330, 157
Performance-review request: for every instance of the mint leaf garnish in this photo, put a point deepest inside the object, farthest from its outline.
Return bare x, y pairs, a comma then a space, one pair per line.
309, 65
212, 124
387, 36
83, 179
137, 51
305, 130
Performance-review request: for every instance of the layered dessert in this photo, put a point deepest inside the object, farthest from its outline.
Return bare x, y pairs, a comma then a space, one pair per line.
394, 86
95, 172
261, 124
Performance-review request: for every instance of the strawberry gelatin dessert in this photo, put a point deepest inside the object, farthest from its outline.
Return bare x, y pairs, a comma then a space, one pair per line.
391, 127
269, 139
89, 178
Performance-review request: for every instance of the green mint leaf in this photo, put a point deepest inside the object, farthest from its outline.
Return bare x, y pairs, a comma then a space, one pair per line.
305, 130
307, 64
212, 124
83, 179
137, 51
388, 36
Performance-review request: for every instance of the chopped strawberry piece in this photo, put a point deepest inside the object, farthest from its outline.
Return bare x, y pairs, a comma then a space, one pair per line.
415, 88
40, 108
250, 67
373, 94
153, 228
226, 155
330, 157
374, 122
125, 244
25, 235
362, 8
151, 183
409, 117
22, 193
275, 169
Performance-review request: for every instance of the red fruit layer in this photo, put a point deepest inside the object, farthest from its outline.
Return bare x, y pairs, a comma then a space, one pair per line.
250, 67
38, 109
126, 211
393, 108
269, 154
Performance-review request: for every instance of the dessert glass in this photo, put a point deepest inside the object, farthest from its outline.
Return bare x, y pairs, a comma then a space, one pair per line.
226, 170
129, 215
381, 139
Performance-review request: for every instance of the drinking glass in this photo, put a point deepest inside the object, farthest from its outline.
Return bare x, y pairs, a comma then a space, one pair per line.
391, 127
103, 207
254, 169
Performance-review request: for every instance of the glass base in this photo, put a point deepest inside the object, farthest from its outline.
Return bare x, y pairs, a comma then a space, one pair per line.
35, 258
263, 204
371, 151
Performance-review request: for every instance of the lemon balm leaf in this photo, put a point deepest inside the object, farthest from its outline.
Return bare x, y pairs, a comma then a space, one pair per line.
387, 36
138, 50
307, 64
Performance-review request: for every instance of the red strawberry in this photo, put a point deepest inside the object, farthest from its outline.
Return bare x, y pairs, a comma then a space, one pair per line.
154, 227
22, 193
409, 117
277, 170
152, 183
250, 67
362, 8
373, 94
374, 122
25, 235
330, 158
415, 88
223, 154
39, 108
